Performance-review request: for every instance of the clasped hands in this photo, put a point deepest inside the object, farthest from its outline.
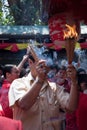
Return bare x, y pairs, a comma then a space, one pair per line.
42, 69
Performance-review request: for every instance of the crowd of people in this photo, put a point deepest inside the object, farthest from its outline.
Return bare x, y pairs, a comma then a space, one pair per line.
33, 99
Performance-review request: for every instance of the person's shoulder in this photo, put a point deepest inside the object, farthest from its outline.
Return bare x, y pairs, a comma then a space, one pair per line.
55, 87
18, 81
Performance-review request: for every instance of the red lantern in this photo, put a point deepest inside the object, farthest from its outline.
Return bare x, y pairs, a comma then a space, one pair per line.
57, 26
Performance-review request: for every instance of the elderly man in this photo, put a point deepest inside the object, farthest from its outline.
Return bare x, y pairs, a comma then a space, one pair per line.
36, 102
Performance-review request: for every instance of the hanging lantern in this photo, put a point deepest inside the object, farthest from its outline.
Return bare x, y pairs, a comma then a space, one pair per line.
57, 25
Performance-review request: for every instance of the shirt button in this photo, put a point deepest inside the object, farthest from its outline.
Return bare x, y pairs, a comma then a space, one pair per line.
42, 98
38, 97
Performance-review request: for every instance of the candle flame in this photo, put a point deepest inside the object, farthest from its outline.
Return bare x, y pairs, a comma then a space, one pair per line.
70, 32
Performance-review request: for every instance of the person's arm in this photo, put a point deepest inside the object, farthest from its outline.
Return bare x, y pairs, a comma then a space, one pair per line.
30, 97
21, 64
74, 92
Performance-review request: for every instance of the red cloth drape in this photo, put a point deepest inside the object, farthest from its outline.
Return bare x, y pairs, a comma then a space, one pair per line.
2, 46
12, 47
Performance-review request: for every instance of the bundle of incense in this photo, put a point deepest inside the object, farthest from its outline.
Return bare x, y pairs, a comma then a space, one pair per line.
32, 52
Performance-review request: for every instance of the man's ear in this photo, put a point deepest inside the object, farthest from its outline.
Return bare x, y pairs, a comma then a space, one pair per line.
8, 74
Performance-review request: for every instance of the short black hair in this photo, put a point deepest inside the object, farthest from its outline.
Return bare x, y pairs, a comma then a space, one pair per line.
1, 67
82, 78
81, 71
7, 68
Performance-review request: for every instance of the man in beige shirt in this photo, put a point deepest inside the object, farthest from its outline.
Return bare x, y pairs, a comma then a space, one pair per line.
36, 102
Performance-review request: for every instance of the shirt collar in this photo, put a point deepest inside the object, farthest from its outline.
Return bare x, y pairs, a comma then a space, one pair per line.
30, 77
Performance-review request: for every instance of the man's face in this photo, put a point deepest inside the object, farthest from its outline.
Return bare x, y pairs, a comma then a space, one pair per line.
14, 73
83, 86
32, 66
31, 63
61, 74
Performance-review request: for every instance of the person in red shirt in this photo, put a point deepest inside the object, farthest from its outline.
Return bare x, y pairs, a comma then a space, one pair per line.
82, 107
70, 118
10, 73
82, 112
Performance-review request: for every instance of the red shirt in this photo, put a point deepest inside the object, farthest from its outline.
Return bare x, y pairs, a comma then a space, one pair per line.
82, 112
7, 111
71, 123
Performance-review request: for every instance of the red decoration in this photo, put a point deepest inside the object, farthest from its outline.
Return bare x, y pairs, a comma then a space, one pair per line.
57, 25
3, 45
76, 7
14, 48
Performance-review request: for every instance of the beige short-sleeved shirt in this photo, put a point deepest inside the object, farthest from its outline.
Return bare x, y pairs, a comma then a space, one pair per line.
44, 114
